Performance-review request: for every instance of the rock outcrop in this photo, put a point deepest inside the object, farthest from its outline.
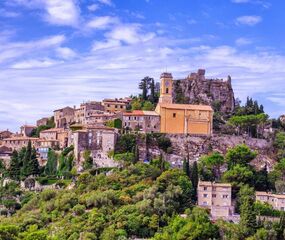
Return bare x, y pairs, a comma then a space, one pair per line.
196, 89
197, 146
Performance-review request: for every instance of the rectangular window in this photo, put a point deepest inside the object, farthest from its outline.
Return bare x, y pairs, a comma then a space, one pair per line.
214, 195
174, 115
225, 196
205, 188
205, 195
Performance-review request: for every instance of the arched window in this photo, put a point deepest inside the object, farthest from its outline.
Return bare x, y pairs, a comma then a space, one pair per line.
167, 90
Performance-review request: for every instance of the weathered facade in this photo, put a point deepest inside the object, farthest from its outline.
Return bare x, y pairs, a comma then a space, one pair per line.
217, 197
86, 110
277, 201
58, 134
99, 140
144, 121
26, 130
64, 117
116, 105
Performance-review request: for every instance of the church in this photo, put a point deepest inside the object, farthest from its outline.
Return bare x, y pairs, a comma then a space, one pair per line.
181, 118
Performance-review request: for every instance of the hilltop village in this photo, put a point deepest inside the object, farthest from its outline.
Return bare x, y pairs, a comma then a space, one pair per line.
182, 160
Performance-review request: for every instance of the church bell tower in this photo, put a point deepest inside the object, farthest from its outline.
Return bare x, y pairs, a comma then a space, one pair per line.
166, 84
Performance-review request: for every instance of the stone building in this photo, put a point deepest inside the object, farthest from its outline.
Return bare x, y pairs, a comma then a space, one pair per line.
100, 118
64, 117
58, 134
217, 197
16, 143
86, 110
144, 121
277, 201
116, 105
43, 146
181, 118
26, 130
5, 134
197, 89
42, 121
99, 140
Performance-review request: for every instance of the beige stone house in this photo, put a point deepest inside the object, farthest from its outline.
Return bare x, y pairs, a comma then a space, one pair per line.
58, 134
277, 201
86, 110
26, 130
144, 121
42, 121
115, 105
64, 117
16, 143
99, 140
5, 134
217, 197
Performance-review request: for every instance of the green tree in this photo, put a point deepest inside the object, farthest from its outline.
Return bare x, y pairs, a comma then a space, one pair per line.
51, 165
136, 154
247, 212
186, 167
15, 168
194, 177
144, 86
241, 154
136, 105
238, 176
30, 161
212, 163
88, 160
148, 106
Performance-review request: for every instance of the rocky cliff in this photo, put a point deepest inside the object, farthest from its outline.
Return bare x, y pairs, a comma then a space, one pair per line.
197, 146
196, 89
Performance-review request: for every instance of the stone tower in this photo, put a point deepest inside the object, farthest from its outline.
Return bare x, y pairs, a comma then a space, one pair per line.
166, 84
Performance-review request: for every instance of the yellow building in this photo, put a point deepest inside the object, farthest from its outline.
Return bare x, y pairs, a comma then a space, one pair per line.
182, 118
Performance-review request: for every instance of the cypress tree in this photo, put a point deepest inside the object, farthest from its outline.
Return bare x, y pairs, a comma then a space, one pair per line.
15, 168
247, 211
34, 164
51, 166
186, 167
136, 154
26, 160
194, 177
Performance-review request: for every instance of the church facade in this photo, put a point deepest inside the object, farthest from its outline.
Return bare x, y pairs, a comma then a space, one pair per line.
181, 118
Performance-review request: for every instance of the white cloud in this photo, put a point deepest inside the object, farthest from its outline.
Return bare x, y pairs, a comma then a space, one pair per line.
103, 22
248, 20
129, 33
105, 44
65, 53
57, 12
33, 63
14, 50
243, 41
93, 7
61, 12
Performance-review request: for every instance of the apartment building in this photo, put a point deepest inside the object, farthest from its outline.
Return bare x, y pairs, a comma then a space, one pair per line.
86, 110
217, 197
277, 201
58, 134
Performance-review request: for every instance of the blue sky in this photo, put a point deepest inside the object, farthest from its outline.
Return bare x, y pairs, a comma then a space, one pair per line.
55, 53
